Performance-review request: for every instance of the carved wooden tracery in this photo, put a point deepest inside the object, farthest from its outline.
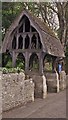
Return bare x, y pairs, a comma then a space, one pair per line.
26, 36
26, 40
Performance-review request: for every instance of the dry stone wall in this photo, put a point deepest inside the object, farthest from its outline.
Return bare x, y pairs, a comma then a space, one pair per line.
0, 96
16, 90
67, 81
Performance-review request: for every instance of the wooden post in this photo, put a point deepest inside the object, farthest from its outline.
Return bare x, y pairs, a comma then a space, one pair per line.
17, 42
30, 41
26, 62
13, 59
30, 29
24, 27
37, 41
24, 41
63, 65
41, 63
11, 42
54, 64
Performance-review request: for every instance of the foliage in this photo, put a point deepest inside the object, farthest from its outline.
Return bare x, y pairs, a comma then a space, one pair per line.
6, 60
20, 63
9, 64
48, 63
66, 60
11, 70
4, 71
18, 70
35, 65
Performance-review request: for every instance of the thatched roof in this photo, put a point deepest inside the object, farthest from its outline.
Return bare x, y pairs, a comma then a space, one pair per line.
50, 42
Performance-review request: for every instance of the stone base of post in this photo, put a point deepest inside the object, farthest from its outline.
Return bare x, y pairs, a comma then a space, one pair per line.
44, 87
57, 82
33, 89
62, 80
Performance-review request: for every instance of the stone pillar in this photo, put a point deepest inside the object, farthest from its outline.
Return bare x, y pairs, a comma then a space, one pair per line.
13, 59
62, 80
44, 87
26, 62
33, 89
57, 77
41, 63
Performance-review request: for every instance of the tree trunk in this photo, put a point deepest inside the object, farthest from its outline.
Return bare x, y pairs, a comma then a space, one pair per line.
62, 22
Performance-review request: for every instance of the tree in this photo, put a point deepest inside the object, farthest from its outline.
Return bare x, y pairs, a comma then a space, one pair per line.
62, 17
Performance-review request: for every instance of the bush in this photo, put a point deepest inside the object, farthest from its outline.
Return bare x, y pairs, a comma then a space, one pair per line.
11, 70
21, 65
9, 64
48, 66
18, 70
4, 70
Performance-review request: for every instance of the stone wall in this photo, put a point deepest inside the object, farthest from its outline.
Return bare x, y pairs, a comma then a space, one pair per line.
0, 96
67, 81
16, 90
